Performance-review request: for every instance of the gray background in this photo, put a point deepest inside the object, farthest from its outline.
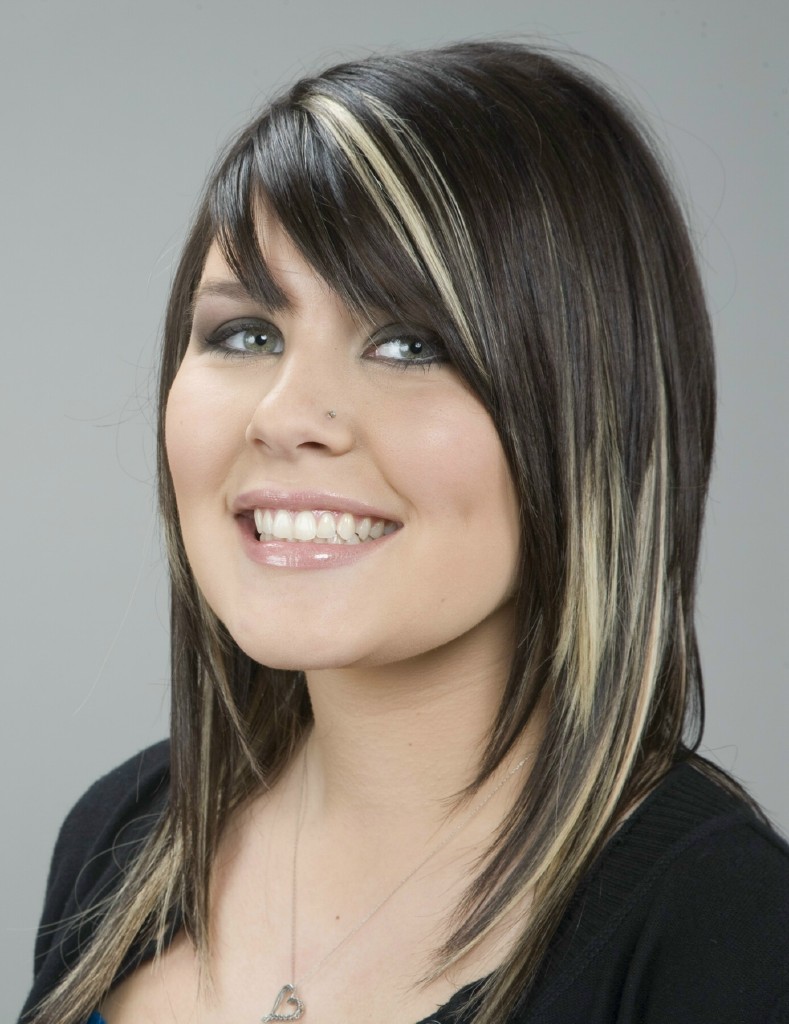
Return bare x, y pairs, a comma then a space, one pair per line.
112, 113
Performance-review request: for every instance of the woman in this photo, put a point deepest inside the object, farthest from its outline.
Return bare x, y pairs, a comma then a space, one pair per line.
436, 425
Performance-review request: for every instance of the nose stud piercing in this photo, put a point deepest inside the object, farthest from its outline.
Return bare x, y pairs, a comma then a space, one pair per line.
331, 414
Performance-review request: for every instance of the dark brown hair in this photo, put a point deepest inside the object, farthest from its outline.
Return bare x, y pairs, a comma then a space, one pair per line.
505, 198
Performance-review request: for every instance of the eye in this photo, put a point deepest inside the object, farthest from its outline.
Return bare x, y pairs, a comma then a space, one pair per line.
407, 346
247, 336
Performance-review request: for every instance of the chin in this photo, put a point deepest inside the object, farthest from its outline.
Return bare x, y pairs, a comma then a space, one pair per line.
303, 653
336, 650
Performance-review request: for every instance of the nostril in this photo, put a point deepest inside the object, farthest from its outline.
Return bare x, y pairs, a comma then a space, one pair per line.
286, 423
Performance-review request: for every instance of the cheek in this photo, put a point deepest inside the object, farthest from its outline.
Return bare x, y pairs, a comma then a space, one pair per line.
453, 466
201, 434
458, 568
451, 469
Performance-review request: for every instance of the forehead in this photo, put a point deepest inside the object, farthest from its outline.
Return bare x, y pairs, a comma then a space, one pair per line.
295, 282
298, 292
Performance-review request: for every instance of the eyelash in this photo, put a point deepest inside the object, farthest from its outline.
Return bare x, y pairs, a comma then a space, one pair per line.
386, 335
216, 340
396, 332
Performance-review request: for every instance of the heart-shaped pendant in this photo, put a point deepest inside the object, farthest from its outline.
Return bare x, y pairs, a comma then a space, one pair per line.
287, 994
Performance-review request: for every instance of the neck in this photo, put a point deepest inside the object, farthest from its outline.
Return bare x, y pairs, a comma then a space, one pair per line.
395, 744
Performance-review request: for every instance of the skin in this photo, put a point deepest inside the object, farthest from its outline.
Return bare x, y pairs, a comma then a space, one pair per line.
406, 652
414, 442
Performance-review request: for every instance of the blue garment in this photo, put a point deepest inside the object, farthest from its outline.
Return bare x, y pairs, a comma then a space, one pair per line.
96, 1018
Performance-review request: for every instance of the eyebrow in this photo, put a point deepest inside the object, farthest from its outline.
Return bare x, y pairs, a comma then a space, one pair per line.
224, 289
271, 298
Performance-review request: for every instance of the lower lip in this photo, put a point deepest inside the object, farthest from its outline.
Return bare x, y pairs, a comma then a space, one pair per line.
290, 554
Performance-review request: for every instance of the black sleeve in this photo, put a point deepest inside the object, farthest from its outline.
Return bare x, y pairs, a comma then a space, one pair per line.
714, 948
683, 920
98, 838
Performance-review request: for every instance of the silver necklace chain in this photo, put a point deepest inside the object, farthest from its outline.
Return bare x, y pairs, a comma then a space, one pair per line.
288, 1006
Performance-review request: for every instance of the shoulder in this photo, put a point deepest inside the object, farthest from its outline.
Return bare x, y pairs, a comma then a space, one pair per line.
712, 846
117, 797
98, 838
694, 842
685, 917
115, 811
715, 934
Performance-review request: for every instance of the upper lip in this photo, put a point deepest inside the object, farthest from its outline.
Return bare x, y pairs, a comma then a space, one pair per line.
314, 501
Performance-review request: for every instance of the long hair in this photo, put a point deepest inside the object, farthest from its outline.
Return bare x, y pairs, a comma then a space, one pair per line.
507, 200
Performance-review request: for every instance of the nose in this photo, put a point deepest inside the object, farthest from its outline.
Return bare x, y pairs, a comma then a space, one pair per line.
302, 410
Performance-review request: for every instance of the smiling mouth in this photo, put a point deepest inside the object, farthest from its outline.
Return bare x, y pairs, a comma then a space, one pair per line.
309, 527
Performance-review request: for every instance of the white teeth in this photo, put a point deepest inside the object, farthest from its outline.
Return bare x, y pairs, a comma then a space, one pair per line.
283, 525
323, 528
305, 526
346, 527
327, 528
264, 521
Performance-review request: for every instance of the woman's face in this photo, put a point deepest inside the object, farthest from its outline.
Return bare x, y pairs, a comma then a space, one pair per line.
361, 433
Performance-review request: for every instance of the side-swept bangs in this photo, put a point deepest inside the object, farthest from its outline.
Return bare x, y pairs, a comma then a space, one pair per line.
360, 201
